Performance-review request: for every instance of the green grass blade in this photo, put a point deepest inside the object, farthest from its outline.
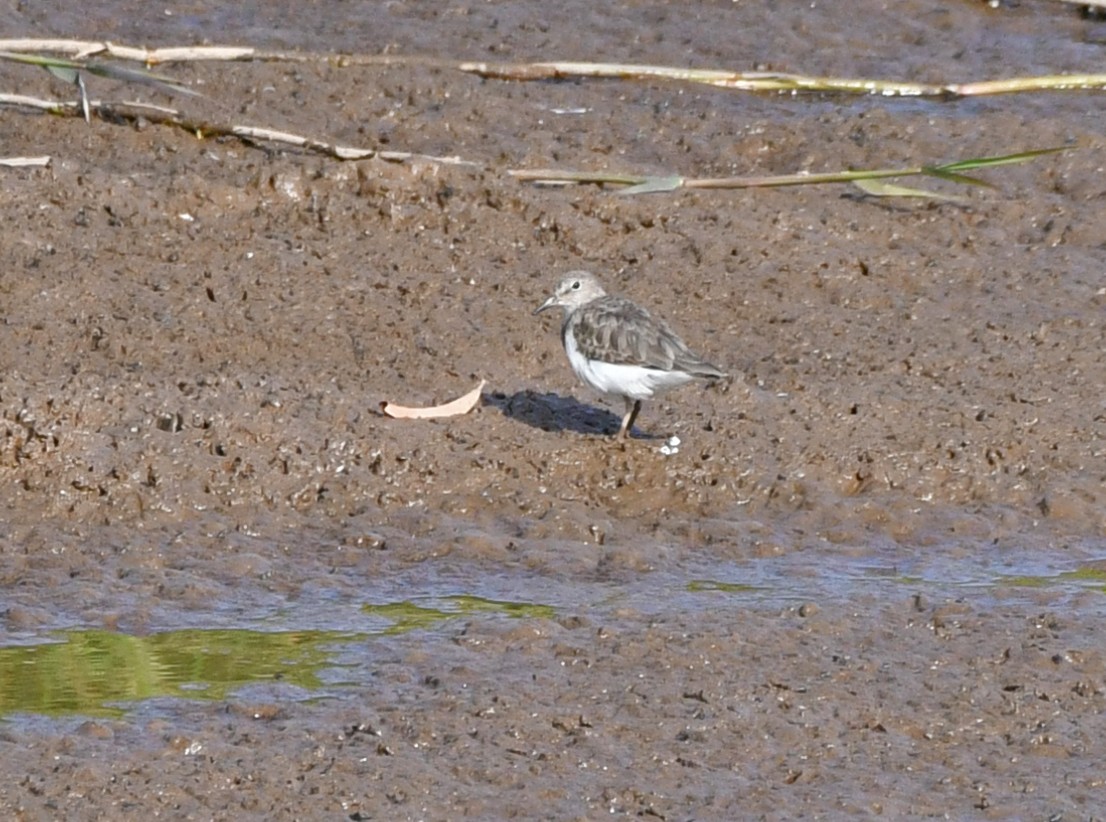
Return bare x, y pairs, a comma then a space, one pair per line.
68, 69
879, 188
964, 179
1000, 160
654, 184
130, 75
953, 172
64, 73
38, 60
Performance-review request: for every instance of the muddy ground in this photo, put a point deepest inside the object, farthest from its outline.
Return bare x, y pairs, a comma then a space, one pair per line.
197, 334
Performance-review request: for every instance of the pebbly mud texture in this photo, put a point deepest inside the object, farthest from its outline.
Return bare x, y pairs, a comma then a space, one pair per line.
868, 582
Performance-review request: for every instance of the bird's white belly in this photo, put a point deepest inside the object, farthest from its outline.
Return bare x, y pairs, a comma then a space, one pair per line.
633, 381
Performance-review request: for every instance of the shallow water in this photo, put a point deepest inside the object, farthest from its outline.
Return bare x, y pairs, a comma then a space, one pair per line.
105, 674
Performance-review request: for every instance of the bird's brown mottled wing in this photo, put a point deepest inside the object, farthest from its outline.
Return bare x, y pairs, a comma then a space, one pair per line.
615, 330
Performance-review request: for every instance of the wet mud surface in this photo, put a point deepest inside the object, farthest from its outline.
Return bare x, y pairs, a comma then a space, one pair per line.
870, 581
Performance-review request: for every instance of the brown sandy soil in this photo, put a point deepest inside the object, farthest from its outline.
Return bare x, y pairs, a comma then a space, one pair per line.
197, 334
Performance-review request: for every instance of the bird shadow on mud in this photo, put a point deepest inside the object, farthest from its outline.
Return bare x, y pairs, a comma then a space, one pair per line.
552, 412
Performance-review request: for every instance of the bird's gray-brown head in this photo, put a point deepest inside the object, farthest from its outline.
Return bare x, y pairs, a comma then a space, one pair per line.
575, 289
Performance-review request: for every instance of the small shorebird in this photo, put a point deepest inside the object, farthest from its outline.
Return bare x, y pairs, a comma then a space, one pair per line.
620, 349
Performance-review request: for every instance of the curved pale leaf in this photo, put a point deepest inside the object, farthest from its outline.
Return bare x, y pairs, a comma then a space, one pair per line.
461, 405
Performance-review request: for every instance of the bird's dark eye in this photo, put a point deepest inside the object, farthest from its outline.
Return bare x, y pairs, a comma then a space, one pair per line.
576, 286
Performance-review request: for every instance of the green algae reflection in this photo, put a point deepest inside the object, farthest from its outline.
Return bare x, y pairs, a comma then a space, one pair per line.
96, 673
87, 672
697, 586
410, 615
1091, 579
